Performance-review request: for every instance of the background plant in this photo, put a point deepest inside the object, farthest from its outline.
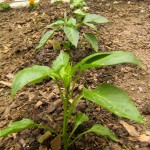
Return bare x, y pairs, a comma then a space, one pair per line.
4, 7
71, 28
62, 72
77, 3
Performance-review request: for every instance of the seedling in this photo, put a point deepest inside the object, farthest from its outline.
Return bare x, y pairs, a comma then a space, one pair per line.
62, 72
77, 3
71, 26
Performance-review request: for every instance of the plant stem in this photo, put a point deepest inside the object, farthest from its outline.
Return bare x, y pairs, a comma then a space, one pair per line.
73, 86
65, 123
49, 128
77, 137
73, 105
59, 88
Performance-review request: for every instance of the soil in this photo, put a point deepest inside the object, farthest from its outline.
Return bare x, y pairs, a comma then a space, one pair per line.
128, 30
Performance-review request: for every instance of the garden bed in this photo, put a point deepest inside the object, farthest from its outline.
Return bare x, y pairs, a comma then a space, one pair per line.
128, 30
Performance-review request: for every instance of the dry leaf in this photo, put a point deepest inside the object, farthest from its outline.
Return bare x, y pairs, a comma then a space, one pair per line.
56, 143
131, 129
144, 138
55, 44
9, 84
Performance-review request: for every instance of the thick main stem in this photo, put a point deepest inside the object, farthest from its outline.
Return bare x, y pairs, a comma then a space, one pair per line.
65, 123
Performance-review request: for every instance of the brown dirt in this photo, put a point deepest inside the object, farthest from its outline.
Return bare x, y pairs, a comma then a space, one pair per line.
21, 29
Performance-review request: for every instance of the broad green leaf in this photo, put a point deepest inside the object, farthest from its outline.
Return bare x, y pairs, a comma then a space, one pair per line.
90, 25
71, 21
18, 126
115, 100
32, 74
95, 18
44, 39
80, 12
72, 35
65, 74
107, 58
55, 24
99, 129
91, 38
79, 119
112, 58
61, 60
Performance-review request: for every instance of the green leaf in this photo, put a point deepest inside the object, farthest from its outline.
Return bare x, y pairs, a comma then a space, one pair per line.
79, 119
99, 129
44, 39
90, 25
107, 58
30, 75
115, 100
91, 38
95, 18
18, 126
71, 21
61, 60
55, 24
66, 74
67, 45
72, 35
112, 58
62, 68
77, 3
80, 12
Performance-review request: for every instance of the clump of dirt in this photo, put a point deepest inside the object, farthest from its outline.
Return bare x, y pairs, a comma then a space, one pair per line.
128, 29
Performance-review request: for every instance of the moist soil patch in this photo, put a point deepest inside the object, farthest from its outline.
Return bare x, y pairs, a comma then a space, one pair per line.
128, 29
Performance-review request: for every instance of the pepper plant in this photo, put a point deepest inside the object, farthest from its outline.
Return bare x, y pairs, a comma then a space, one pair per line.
71, 27
65, 76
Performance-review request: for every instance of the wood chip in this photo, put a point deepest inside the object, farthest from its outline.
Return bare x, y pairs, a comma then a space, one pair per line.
38, 104
44, 137
43, 147
131, 129
9, 84
10, 76
144, 138
57, 102
56, 143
